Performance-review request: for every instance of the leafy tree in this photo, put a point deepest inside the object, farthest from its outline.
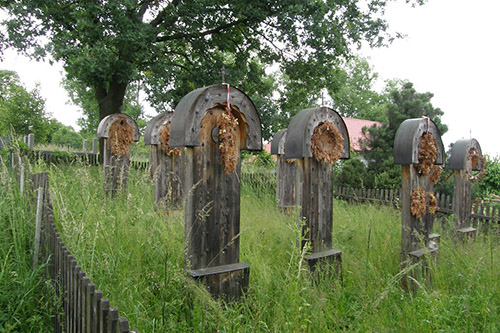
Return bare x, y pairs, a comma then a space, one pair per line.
21, 110
84, 97
351, 173
489, 184
66, 135
403, 102
354, 95
106, 45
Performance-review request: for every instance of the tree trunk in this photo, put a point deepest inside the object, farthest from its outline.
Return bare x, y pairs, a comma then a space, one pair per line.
110, 101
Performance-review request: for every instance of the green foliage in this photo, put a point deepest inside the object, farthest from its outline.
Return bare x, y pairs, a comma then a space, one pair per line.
489, 184
66, 135
354, 96
21, 112
24, 302
177, 46
85, 98
403, 102
351, 173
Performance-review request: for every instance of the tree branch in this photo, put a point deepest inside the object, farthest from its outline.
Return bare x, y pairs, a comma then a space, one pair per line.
203, 33
161, 15
143, 7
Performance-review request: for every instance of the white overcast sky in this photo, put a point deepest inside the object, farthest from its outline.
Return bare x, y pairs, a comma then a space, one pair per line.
451, 50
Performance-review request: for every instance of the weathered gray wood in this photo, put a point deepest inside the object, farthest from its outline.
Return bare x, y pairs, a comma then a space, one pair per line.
115, 170
227, 282
96, 309
84, 145
94, 146
316, 204
212, 211
462, 203
89, 308
38, 225
31, 141
104, 316
285, 189
113, 320
123, 326
168, 179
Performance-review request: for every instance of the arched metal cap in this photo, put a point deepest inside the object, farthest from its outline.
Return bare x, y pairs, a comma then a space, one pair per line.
408, 137
300, 130
106, 122
459, 152
152, 131
278, 143
185, 124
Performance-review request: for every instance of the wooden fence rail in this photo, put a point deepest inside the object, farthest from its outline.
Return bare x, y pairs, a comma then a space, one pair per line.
484, 218
82, 307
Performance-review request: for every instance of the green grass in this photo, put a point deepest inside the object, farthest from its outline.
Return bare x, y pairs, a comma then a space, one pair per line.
24, 302
134, 254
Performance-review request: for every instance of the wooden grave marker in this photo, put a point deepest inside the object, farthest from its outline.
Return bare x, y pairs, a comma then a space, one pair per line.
419, 150
214, 123
119, 132
167, 165
316, 138
465, 158
285, 173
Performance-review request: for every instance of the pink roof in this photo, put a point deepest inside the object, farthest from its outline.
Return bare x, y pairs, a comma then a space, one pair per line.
355, 127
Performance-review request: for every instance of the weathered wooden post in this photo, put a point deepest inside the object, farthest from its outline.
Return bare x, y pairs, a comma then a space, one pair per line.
84, 146
119, 131
316, 139
466, 157
31, 141
419, 150
94, 146
214, 123
166, 164
285, 173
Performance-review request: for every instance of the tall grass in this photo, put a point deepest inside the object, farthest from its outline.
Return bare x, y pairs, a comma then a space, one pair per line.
135, 256
24, 302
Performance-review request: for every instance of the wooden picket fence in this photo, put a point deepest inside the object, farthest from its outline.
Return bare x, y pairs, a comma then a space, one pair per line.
50, 157
484, 217
83, 307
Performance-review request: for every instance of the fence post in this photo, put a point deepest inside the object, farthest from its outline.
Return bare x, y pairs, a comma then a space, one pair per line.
214, 123
317, 138
31, 140
417, 148
84, 146
38, 225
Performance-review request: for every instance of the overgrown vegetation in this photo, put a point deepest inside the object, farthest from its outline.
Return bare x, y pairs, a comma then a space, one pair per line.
135, 255
24, 302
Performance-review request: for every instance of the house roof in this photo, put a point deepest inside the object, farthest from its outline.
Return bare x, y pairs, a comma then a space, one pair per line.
355, 128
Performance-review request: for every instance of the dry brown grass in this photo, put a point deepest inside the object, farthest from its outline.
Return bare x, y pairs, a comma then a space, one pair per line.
227, 145
427, 153
435, 174
326, 143
418, 204
165, 140
121, 136
433, 203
